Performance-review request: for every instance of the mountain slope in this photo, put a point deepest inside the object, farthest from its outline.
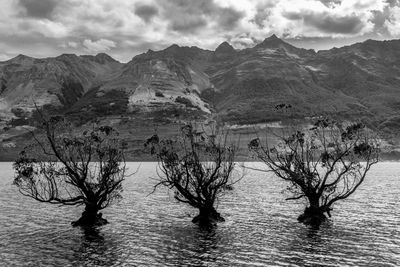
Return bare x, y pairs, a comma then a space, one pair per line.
58, 81
355, 82
160, 78
177, 84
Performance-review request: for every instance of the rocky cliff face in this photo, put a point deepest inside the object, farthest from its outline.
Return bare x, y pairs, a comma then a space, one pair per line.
165, 78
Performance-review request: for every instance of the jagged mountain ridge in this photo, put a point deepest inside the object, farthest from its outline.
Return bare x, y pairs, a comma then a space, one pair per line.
241, 86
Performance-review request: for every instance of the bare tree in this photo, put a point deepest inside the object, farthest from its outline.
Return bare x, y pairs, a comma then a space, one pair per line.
322, 165
65, 168
198, 167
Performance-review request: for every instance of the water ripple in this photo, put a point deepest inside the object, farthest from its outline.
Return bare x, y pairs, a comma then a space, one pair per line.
260, 228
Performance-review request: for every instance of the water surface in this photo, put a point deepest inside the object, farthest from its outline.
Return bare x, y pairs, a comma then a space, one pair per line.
154, 230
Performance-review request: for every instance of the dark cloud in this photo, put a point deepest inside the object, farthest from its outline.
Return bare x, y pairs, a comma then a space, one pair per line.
39, 8
188, 23
330, 3
263, 11
260, 17
146, 12
329, 23
293, 15
50, 27
393, 3
109, 18
379, 19
228, 18
189, 17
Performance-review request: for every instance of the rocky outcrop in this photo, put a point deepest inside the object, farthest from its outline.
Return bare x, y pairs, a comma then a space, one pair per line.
157, 79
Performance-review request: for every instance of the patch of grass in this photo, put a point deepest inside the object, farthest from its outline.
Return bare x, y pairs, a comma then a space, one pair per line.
71, 92
94, 104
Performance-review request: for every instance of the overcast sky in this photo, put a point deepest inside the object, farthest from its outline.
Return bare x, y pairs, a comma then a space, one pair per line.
124, 28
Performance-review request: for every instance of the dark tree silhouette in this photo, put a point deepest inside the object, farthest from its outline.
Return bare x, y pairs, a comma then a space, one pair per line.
323, 165
66, 168
198, 167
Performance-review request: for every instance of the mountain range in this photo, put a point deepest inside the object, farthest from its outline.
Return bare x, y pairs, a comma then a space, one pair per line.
158, 89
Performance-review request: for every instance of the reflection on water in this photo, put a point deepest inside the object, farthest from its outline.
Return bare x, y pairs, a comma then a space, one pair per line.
92, 247
260, 228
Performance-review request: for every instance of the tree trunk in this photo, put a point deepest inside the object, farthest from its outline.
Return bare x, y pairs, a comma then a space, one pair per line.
90, 217
208, 215
314, 213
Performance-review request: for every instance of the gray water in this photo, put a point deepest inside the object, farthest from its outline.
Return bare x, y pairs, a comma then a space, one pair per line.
260, 228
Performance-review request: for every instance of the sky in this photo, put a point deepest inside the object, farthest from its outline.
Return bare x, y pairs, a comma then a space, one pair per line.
125, 28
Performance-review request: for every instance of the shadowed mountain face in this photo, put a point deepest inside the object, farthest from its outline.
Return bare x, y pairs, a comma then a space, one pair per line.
361, 81
357, 82
58, 82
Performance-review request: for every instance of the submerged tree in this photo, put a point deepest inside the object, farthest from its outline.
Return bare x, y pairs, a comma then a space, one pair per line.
323, 165
62, 167
198, 167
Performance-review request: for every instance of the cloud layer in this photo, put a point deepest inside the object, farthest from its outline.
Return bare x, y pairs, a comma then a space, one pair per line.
124, 28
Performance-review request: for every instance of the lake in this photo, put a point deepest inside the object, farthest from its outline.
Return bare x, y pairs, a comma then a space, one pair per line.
154, 230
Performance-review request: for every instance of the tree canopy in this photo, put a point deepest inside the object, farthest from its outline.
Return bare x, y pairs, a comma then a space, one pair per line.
324, 164
198, 166
69, 168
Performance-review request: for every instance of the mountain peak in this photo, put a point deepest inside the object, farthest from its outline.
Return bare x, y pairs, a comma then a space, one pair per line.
21, 57
273, 37
272, 42
67, 56
103, 57
224, 48
173, 47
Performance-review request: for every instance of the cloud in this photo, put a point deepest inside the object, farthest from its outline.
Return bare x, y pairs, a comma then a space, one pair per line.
261, 16
393, 22
4, 57
379, 20
328, 23
146, 12
39, 8
72, 44
189, 17
243, 40
100, 45
316, 18
124, 28
393, 3
188, 23
333, 24
330, 3
229, 18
